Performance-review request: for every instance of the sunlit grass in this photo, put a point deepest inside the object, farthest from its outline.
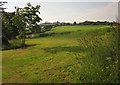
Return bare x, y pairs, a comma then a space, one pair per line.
76, 54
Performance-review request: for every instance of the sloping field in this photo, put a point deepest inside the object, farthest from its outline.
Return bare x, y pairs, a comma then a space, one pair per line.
74, 54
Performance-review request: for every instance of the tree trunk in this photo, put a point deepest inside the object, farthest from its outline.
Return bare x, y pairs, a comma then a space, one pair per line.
23, 40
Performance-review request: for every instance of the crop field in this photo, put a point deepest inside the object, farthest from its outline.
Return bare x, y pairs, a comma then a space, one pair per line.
65, 54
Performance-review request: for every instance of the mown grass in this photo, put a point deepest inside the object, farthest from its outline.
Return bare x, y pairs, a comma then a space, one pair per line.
75, 54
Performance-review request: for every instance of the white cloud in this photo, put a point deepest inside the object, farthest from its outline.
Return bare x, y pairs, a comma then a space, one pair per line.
109, 12
103, 12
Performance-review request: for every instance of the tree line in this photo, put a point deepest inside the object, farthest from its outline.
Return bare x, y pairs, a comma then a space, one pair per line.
25, 21
81, 23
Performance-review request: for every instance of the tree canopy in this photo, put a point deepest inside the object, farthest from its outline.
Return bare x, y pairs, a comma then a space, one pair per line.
18, 22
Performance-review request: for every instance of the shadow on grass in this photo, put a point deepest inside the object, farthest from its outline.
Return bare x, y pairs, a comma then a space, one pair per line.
76, 49
84, 33
11, 47
53, 34
30, 45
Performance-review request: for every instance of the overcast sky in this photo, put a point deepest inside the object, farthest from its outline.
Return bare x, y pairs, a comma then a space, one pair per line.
71, 11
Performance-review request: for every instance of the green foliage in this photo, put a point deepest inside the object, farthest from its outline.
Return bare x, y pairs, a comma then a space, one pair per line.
18, 23
9, 30
16, 43
102, 58
87, 54
27, 18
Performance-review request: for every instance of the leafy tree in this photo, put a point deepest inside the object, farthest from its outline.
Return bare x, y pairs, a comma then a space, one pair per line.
9, 30
27, 18
3, 39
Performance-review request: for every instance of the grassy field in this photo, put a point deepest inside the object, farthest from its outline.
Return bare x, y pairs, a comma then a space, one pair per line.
74, 54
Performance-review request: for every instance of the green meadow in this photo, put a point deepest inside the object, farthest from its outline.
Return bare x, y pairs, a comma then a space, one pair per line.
65, 54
